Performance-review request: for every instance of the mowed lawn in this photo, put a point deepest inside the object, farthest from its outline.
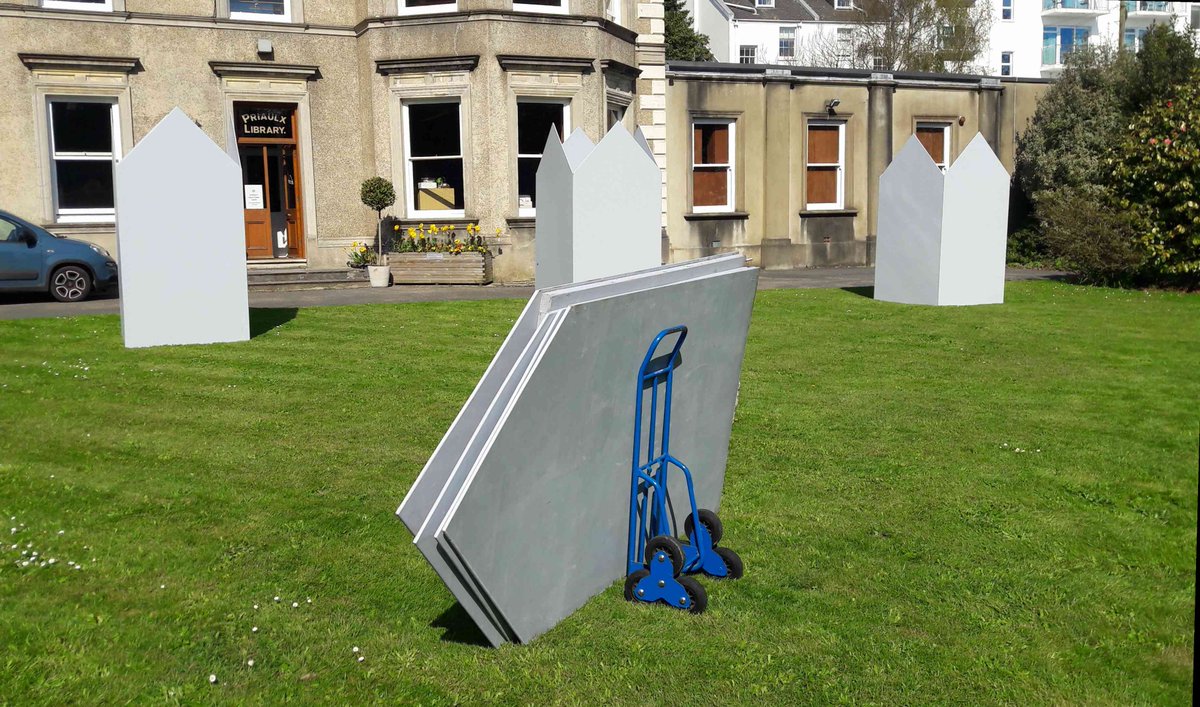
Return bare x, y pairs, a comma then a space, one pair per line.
935, 505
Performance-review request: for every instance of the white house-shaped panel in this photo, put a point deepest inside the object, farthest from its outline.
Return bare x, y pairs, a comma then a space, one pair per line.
181, 239
599, 208
942, 238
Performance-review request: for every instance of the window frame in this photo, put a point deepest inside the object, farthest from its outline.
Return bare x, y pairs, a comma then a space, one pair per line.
286, 18
1006, 66
103, 215
1008, 6
944, 126
792, 50
843, 4
563, 8
840, 165
410, 205
106, 6
730, 166
764, 3
566, 131
741, 53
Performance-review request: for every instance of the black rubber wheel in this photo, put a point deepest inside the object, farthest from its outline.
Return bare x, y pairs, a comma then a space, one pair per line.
669, 545
733, 563
631, 582
711, 523
70, 283
696, 593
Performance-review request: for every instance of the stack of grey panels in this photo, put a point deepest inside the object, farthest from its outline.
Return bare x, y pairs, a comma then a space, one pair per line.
523, 509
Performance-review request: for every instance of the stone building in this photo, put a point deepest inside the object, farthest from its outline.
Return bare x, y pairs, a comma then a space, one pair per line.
783, 163
450, 99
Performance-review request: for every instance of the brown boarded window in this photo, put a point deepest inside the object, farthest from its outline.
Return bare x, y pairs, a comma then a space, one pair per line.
826, 163
712, 165
933, 137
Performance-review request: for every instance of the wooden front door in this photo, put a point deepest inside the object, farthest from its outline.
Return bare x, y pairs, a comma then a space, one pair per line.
269, 155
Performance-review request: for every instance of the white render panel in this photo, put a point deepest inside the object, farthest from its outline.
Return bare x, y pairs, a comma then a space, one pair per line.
181, 239
910, 228
942, 237
599, 208
974, 228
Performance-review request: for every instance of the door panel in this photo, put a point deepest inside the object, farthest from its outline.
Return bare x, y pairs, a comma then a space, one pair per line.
291, 202
18, 262
255, 188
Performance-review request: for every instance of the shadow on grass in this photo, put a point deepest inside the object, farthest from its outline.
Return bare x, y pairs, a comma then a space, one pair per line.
868, 292
264, 319
459, 627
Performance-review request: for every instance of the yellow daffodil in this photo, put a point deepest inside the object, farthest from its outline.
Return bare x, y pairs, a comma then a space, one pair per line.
396, 227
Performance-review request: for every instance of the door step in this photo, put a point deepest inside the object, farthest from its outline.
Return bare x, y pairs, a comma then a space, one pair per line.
279, 279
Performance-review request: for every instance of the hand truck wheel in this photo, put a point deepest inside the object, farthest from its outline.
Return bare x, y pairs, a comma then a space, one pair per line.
670, 547
711, 523
697, 597
733, 563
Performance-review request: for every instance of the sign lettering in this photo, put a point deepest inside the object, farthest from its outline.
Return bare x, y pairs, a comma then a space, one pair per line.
264, 121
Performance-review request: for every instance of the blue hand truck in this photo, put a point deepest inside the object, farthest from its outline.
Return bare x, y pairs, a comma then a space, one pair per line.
658, 562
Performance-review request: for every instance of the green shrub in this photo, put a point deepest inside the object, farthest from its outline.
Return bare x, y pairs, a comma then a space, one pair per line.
1156, 174
1082, 228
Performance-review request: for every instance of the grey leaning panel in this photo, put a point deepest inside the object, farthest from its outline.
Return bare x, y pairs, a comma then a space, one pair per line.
540, 525
419, 500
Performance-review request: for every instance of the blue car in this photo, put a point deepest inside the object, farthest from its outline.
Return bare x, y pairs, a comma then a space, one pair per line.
33, 259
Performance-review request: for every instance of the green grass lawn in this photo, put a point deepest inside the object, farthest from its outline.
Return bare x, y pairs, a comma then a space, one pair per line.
944, 505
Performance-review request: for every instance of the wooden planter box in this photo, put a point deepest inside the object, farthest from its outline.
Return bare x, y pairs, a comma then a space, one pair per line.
441, 268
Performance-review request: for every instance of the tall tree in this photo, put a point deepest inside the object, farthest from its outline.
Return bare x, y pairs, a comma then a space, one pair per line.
683, 42
907, 35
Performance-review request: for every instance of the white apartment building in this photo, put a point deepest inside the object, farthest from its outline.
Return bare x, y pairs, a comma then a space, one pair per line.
1027, 38
1031, 38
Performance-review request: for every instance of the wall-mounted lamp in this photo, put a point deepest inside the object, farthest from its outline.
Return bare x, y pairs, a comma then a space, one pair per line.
831, 104
266, 50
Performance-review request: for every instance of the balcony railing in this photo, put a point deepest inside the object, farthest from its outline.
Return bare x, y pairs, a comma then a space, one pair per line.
1074, 7
1153, 7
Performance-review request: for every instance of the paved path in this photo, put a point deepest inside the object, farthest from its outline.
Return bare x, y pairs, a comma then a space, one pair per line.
29, 306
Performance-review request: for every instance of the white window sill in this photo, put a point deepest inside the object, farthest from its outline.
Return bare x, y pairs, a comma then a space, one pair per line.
427, 9
434, 216
80, 6
541, 9
825, 207
254, 17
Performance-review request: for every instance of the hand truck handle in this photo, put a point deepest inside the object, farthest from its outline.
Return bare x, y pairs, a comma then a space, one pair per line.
664, 364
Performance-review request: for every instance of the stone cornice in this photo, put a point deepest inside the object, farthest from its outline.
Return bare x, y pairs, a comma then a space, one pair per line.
616, 67
74, 62
516, 62
388, 67
264, 70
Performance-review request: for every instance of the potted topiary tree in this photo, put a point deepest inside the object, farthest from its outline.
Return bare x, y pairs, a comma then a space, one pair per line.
378, 194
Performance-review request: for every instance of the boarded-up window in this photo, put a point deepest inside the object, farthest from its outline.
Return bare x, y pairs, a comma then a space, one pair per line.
712, 165
826, 161
934, 136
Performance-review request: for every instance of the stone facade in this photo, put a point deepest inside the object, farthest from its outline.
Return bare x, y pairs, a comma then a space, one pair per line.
349, 68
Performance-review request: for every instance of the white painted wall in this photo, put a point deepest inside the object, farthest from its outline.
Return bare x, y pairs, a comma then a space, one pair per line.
713, 18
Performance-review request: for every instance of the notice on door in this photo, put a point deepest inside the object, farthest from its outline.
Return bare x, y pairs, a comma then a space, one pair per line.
254, 196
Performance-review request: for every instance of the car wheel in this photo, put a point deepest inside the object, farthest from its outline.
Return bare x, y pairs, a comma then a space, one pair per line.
70, 283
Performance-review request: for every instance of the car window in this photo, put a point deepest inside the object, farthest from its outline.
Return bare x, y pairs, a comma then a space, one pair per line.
8, 230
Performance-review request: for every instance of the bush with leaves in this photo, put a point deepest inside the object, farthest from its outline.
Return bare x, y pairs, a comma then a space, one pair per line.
1155, 173
1084, 230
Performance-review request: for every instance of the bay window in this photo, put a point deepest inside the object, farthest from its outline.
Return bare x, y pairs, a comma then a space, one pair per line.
558, 7
535, 119
85, 143
261, 10
85, 5
433, 159
424, 7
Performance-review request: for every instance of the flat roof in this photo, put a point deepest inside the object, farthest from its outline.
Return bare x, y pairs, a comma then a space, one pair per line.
787, 70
